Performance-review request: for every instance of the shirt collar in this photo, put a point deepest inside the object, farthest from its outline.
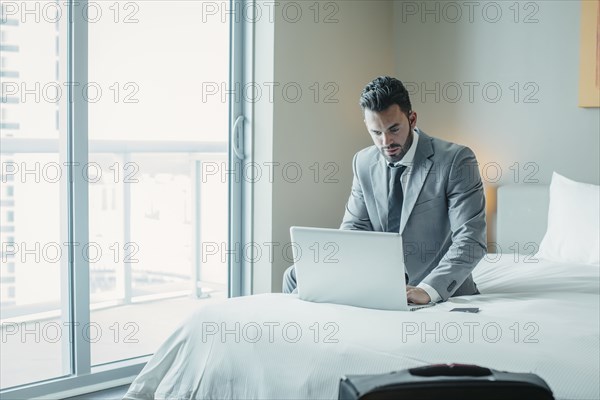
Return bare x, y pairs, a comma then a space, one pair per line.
410, 154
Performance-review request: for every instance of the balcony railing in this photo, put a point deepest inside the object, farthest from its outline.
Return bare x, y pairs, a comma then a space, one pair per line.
123, 279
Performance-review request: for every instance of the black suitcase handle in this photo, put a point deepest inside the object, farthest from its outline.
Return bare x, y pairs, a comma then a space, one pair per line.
450, 370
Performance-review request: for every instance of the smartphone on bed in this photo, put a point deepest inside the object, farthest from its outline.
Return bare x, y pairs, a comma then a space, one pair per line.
466, 309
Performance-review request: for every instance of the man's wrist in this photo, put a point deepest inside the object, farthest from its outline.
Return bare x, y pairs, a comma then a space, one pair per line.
433, 294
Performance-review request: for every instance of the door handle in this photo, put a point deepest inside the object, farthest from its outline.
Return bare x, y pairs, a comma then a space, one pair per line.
238, 137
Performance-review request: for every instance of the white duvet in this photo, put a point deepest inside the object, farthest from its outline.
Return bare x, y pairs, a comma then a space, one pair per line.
535, 317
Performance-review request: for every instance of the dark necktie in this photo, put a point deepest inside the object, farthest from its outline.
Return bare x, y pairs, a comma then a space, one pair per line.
395, 198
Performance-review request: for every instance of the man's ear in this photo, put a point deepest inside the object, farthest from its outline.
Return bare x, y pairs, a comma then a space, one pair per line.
413, 119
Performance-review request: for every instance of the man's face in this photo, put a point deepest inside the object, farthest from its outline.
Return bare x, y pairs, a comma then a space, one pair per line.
391, 131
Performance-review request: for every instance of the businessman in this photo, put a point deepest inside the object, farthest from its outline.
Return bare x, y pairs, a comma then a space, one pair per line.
427, 189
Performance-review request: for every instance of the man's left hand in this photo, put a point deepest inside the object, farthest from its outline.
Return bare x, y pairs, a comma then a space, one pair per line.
417, 295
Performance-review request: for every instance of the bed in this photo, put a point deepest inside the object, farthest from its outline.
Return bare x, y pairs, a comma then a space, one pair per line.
537, 315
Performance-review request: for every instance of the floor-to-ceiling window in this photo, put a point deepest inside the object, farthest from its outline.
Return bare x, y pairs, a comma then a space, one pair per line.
115, 126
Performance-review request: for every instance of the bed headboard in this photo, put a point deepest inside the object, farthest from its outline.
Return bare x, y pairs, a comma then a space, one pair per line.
521, 216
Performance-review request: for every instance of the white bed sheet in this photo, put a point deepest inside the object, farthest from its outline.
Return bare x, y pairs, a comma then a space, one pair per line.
535, 317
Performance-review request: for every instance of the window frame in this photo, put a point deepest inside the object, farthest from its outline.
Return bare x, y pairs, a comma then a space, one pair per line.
80, 376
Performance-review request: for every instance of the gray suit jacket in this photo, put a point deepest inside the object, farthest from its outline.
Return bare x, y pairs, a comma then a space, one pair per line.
443, 214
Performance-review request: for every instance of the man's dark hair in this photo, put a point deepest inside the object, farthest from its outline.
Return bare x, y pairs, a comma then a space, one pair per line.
383, 92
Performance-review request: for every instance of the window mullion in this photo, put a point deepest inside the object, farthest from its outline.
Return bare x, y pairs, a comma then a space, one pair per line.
79, 198
239, 279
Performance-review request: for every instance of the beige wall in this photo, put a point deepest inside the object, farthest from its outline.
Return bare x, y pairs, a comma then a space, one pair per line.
319, 131
530, 52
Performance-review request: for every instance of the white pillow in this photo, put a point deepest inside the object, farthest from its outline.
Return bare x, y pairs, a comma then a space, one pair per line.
573, 234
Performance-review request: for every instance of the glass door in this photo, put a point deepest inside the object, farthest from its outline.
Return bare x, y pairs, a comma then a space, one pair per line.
155, 127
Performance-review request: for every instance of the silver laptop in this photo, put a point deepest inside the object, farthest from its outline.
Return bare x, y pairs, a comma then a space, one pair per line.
357, 268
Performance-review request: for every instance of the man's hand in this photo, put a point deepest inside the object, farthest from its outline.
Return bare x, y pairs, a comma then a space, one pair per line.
417, 295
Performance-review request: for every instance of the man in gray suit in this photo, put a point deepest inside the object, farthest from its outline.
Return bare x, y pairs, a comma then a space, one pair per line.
427, 189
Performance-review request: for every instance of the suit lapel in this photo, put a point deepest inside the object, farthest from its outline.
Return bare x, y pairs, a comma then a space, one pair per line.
380, 188
420, 168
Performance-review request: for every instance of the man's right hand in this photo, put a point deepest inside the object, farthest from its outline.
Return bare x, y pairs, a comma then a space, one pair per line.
417, 295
